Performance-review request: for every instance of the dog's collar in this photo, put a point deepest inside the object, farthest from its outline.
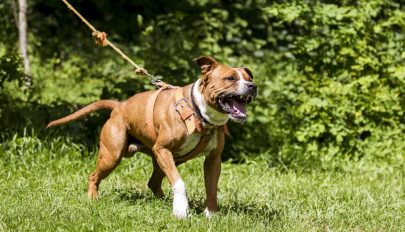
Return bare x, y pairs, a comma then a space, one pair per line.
192, 116
197, 109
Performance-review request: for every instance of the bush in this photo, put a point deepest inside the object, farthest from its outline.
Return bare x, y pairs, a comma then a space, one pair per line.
343, 97
330, 73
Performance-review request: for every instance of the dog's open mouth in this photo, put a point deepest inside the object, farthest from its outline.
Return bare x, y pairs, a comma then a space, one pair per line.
234, 106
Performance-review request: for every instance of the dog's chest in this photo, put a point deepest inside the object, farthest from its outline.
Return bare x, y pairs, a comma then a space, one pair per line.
192, 141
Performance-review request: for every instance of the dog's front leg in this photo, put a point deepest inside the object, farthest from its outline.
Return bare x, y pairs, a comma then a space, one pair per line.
212, 170
165, 160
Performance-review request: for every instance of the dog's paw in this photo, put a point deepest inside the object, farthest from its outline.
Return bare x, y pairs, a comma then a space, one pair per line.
180, 208
209, 213
92, 193
180, 202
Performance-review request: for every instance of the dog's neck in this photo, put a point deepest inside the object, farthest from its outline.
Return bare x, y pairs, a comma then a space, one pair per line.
211, 117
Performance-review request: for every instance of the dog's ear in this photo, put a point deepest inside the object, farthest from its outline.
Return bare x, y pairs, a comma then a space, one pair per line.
248, 71
206, 63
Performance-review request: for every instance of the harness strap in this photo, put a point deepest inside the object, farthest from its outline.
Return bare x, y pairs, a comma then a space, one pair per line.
187, 113
188, 116
226, 130
150, 106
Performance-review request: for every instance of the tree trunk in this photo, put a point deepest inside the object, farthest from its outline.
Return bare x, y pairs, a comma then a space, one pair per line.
22, 31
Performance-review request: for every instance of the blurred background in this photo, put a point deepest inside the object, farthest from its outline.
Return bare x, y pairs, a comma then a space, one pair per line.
331, 74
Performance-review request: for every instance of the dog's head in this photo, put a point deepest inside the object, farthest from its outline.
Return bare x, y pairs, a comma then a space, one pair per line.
226, 89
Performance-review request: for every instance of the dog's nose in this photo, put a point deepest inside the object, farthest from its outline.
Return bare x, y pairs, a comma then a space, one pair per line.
252, 88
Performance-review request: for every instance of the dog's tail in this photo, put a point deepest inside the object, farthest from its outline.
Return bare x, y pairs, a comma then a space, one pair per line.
102, 104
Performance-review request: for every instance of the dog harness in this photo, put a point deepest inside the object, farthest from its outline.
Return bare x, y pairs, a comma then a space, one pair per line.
189, 114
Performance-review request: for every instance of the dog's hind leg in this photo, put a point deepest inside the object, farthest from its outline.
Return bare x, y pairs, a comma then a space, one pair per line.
155, 181
113, 144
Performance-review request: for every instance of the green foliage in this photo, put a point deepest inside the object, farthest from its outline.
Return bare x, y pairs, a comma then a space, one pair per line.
330, 73
10, 66
346, 92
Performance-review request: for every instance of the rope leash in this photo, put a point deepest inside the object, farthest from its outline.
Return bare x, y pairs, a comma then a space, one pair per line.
101, 40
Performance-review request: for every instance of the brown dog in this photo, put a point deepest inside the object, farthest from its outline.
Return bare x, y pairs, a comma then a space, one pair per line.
174, 125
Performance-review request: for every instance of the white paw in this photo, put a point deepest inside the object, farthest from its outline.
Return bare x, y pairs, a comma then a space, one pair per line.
208, 213
180, 202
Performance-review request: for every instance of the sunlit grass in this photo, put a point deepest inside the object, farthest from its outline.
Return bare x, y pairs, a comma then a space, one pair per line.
43, 186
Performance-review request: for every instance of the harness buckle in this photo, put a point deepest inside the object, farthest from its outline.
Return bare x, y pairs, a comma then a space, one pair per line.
178, 102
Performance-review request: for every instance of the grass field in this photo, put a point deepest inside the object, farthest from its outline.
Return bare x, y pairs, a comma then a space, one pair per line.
43, 186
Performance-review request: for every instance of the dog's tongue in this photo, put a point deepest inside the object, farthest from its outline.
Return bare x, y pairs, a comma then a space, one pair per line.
240, 107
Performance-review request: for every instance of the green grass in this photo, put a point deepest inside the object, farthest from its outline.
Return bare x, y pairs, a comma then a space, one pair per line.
43, 188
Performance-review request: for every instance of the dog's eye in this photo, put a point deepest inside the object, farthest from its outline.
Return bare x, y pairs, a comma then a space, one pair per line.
230, 78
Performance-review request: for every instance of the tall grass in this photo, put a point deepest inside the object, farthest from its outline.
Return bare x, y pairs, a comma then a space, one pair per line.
43, 186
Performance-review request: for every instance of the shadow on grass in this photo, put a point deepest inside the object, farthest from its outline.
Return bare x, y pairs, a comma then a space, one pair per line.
136, 195
264, 213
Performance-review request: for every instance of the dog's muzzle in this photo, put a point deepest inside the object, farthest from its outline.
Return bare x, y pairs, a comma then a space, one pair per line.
234, 103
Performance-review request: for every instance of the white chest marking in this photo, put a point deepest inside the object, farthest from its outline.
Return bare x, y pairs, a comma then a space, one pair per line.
192, 141
189, 144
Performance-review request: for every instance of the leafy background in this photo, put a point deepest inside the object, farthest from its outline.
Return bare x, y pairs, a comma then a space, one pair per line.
331, 74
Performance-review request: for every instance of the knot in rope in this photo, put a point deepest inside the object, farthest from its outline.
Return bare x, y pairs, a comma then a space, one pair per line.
100, 38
